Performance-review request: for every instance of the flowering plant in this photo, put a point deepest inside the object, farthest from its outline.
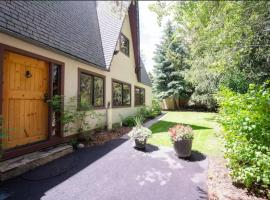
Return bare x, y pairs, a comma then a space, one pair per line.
140, 133
181, 132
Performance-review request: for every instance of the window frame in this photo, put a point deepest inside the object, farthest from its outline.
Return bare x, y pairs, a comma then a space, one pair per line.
120, 42
140, 88
93, 75
130, 96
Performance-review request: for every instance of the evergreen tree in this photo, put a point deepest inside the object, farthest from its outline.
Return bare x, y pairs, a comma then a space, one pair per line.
150, 75
169, 70
228, 41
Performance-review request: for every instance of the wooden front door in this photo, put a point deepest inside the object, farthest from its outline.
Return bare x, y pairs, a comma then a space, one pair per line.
25, 113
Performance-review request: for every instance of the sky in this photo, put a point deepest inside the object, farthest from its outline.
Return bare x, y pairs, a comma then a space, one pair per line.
150, 33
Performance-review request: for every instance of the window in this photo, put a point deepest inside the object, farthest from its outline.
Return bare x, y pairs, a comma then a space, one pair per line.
56, 79
98, 91
91, 90
121, 94
139, 96
56, 92
124, 44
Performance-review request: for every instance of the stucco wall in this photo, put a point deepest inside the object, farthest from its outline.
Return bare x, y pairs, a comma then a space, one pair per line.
122, 68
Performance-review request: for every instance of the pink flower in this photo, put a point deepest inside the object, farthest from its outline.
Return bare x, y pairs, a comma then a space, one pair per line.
180, 131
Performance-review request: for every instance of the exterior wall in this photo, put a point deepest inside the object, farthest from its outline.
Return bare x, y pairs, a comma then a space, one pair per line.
122, 68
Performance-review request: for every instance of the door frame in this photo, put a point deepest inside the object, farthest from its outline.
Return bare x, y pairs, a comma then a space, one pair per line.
52, 140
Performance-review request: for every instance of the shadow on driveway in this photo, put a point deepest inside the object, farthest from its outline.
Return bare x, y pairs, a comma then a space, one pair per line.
34, 184
196, 156
115, 171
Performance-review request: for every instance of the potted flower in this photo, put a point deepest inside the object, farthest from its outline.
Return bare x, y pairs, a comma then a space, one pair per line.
140, 134
181, 137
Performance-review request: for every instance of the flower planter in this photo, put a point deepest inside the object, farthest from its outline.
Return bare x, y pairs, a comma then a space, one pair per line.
140, 144
183, 148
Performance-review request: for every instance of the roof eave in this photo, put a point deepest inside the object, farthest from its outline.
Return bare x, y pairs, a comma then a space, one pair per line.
45, 46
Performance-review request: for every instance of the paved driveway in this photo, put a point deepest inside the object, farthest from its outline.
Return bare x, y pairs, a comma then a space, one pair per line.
114, 171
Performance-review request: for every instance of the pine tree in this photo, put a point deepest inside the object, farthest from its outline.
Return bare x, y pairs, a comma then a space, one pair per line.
169, 70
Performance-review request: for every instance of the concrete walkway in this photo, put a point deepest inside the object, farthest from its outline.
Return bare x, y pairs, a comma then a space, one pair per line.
153, 121
114, 171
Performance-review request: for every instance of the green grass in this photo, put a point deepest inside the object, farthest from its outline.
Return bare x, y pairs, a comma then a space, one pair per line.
203, 123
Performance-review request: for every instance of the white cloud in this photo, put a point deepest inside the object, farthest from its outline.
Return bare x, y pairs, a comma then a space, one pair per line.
150, 33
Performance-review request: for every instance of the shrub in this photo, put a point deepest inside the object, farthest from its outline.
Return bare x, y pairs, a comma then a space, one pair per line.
128, 121
149, 112
246, 122
156, 108
145, 112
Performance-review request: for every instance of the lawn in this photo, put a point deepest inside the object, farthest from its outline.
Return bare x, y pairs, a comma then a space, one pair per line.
203, 123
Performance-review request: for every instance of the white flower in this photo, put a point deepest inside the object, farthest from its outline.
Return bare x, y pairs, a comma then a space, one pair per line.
140, 133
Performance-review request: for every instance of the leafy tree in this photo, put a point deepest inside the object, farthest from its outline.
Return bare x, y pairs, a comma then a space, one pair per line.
168, 77
228, 42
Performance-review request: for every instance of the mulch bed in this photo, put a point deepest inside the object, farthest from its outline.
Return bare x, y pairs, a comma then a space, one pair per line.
104, 136
220, 185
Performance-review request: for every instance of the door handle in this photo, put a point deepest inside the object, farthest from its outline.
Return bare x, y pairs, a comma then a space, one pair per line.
46, 97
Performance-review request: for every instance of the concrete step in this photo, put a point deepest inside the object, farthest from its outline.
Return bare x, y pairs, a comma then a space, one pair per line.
19, 165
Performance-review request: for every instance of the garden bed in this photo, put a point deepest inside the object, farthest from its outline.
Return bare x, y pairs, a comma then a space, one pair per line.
104, 136
220, 185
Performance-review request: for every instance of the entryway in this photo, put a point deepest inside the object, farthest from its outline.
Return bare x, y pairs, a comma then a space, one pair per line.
25, 111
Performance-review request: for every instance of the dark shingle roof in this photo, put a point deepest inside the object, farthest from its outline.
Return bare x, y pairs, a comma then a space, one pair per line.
144, 76
69, 26
110, 24
76, 28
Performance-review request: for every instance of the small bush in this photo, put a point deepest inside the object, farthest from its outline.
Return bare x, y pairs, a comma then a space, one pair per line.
156, 108
128, 121
145, 112
246, 122
149, 112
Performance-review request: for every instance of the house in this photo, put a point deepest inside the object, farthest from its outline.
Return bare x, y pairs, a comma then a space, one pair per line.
88, 50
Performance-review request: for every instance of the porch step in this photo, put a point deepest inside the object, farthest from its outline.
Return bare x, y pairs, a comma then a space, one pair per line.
19, 165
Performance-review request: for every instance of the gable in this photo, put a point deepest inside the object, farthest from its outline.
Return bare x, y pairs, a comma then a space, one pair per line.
110, 24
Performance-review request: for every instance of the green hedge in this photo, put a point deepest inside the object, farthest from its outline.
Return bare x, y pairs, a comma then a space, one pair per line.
246, 122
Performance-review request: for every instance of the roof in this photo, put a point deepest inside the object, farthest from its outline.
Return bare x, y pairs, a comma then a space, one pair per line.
69, 26
144, 76
110, 24
86, 30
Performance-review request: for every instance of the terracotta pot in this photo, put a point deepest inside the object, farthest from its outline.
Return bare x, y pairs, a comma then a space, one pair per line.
183, 148
140, 144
